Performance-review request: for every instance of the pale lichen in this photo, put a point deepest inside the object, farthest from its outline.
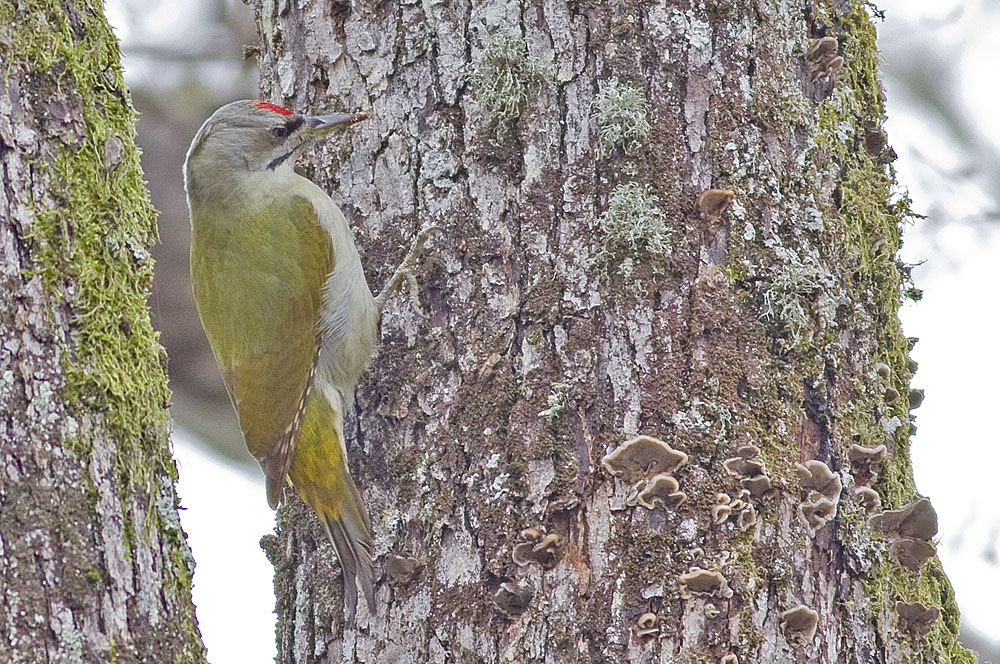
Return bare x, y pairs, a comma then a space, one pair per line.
502, 78
633, 229
622, 111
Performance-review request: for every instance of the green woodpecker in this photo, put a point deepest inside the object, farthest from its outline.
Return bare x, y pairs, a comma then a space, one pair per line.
286, 308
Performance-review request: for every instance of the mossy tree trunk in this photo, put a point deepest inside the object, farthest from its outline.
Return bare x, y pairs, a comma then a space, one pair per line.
94, 566
584, 293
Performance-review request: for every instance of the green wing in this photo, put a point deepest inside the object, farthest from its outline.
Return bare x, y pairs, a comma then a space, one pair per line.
259, 283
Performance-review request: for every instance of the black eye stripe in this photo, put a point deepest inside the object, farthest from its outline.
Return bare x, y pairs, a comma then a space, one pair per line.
287, 128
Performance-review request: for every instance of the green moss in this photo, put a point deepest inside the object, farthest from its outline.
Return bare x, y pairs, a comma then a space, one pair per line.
632, 229
622, 111
88, 245
91, 242
502, 78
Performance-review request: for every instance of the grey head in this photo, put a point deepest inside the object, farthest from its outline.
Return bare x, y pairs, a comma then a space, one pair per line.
250, 136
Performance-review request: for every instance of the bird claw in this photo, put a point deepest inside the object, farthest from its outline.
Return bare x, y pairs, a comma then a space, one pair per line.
405, 273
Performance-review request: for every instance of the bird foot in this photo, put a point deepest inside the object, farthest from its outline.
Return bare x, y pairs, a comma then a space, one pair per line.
404, 273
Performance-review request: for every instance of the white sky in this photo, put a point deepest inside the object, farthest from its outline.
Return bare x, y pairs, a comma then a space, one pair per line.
955, 452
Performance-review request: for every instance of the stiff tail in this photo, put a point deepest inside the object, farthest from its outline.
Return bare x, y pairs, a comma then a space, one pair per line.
350, 534
318, 471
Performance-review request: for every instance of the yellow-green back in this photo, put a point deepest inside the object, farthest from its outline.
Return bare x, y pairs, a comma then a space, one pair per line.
258, 283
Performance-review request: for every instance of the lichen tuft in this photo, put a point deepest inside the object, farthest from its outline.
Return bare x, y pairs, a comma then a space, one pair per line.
502, 78
622, 112
633, 228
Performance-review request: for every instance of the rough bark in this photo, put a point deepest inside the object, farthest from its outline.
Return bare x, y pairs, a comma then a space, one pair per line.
581, 296
94, 565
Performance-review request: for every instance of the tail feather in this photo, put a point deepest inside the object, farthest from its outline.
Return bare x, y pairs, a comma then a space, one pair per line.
350, 535
320, 476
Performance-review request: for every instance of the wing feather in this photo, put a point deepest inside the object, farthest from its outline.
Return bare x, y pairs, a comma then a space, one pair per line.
259, 286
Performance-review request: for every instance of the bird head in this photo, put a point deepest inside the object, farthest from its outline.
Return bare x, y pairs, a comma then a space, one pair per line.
250, 136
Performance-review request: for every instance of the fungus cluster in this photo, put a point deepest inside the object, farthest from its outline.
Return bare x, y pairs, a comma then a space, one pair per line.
916, 618
824, 63
910, 528
512, 598
824, 488
749, 467
648, 463
538, 548
645, 626
713, 202
866, 462
740, 507
401, 570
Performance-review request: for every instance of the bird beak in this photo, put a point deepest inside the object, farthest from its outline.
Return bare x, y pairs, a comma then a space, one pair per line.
322, 124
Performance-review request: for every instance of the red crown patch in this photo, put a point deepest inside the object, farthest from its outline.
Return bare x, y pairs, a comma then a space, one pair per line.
272, 107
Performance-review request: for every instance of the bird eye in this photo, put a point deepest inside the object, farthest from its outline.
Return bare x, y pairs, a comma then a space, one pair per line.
280, 132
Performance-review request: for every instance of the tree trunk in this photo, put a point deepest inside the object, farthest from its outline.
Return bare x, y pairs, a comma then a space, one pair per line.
94, 566
591, 290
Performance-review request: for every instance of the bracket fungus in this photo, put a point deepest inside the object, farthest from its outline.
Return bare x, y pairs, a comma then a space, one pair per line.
824, 488
748, 466
741, 507
917, 520
822, 49
660, 490
543, 550
645, 626
513, 599
730, 659
698, 581
823, 59
882, 369
866, 461
911, 553
401, 570
711, 611
916, 618
868, 498
818, 512
799, 623
817, 476
643, 456
713, 202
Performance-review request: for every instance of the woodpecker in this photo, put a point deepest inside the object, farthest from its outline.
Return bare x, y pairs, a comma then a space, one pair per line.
287, 311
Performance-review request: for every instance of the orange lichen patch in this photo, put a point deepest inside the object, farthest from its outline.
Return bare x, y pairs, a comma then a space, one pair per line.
917, 520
